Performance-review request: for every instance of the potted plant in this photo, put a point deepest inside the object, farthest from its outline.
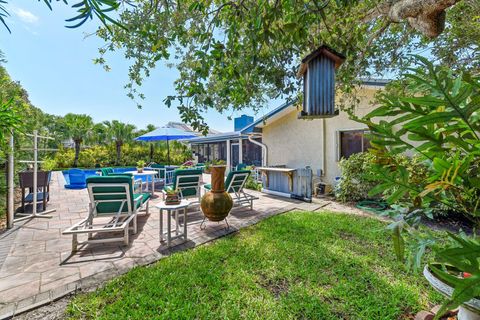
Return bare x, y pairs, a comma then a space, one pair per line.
456, 275
140, 166
172, 197
207, 169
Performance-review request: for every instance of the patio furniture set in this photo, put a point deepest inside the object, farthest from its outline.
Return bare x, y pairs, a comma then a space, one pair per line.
116, 199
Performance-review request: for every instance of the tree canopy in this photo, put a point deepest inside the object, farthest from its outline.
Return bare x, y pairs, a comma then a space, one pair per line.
239, 54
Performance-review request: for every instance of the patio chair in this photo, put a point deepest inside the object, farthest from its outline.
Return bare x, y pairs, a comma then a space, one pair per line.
110, 197
234, 184
240, 166
43, 187
160, 168
138, 183
187, 182
106, 171
77, 179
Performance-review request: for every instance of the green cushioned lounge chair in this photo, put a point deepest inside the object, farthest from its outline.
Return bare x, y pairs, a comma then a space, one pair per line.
111, 197
106, 171
234, 184
187, 182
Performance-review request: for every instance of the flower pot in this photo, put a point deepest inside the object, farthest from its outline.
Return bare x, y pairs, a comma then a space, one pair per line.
172, 198
470, 310
140, 170
217, 203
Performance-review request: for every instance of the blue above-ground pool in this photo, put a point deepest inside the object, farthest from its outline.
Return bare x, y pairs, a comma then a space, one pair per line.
96, 172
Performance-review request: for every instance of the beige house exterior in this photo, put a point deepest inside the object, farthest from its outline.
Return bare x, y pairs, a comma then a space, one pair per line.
285, 140
298, 143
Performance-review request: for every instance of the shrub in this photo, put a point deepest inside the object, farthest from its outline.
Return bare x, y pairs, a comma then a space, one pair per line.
64, 158
105, 155
354, 184
357, 176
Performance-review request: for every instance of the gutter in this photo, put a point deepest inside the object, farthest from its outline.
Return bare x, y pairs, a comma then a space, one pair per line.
264, 149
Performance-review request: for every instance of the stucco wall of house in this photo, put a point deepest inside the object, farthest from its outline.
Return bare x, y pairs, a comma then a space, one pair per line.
297, 143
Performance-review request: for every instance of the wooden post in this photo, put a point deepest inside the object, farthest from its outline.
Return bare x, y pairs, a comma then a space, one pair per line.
229, 156
240, 151
10, 184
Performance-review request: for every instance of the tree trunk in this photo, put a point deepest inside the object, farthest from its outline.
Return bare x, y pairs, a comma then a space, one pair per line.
425, 16
119, 151
151, 152
77, 152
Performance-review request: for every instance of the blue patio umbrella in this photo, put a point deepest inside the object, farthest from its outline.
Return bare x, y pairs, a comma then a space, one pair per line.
166, 134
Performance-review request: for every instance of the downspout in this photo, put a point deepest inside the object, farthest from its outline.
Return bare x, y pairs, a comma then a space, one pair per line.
324, 148
264, 149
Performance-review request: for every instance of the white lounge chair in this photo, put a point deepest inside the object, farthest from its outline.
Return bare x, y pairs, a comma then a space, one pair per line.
111, 197
234, 184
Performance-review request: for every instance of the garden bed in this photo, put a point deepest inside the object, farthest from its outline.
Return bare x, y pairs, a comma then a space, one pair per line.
296, 265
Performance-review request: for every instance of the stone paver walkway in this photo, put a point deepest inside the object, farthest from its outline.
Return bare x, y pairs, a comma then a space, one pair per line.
38, 267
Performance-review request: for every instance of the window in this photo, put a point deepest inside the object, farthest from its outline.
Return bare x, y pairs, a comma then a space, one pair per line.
353, 141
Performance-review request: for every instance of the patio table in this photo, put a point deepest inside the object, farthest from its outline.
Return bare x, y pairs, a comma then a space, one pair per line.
146, 173
183, 205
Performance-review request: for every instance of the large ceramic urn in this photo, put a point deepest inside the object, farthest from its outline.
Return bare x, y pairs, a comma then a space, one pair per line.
217, 203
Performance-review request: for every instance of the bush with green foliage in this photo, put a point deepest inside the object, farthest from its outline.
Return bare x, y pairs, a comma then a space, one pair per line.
251, 183
354, 183
435, 114
102, 156
357, 180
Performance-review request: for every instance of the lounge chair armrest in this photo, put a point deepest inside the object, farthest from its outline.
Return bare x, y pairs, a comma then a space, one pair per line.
138, 198
137, 183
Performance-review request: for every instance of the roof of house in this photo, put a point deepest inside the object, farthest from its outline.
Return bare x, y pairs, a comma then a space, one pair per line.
216, 137
276, 113
187, 128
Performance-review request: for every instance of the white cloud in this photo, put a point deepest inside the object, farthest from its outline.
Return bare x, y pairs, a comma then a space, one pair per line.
25, 16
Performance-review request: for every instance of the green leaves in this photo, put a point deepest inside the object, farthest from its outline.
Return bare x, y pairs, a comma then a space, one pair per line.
435, 118
9, 119
86, 9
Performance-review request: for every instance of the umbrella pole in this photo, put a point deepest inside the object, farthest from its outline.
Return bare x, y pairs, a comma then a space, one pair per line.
168, 152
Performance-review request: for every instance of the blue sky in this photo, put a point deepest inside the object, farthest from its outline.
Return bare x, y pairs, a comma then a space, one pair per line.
54, 64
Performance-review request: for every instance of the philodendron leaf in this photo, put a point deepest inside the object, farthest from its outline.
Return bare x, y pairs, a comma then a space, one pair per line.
398, 242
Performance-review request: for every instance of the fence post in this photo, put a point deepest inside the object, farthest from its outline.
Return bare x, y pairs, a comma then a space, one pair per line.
10, 184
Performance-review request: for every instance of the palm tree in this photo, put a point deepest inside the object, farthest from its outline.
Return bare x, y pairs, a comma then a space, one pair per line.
77, 127
100, 134
119, 132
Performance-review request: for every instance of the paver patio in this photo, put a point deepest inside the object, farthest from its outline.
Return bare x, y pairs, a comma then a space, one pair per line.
37, 267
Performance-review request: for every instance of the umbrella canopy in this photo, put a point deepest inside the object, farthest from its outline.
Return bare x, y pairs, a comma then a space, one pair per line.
165, 134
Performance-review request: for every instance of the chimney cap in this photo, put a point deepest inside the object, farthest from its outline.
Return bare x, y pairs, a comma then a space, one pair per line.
325, 50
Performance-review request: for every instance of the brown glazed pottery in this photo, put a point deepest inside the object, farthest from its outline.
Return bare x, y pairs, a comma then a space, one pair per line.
217, 203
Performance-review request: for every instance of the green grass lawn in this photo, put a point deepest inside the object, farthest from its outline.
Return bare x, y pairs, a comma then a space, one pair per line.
296, 265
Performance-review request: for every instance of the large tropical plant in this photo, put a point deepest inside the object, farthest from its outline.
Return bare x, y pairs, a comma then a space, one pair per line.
120, 133
433, 113
9, 119
78, 128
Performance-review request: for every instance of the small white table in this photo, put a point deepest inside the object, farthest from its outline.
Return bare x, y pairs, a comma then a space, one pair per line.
146, 173
173, 208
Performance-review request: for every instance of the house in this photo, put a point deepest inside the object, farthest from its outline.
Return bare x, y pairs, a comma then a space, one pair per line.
226, 146
298, 146
293, 142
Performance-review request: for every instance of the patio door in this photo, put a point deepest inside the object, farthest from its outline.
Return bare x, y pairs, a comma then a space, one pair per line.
235, 154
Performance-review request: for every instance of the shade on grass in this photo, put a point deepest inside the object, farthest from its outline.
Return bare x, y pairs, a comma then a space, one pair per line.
296, 265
